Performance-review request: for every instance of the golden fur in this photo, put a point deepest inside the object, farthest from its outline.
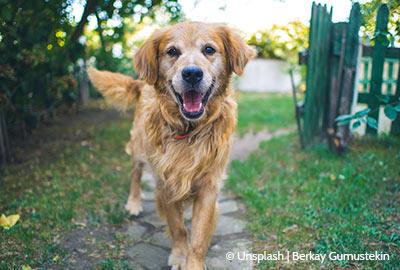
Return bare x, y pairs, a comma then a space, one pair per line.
190, 169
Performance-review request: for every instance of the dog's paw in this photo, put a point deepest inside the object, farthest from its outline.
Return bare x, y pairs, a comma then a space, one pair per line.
193, 263
177, 262
134, 207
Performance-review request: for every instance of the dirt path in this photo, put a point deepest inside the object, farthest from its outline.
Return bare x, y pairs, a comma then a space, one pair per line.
250, 142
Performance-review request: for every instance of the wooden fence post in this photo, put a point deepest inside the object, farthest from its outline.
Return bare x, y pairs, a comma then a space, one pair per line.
309, 122
337, 62
347, 83
317, 72
378, 60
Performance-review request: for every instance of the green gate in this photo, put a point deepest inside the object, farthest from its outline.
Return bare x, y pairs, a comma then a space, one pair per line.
332, 62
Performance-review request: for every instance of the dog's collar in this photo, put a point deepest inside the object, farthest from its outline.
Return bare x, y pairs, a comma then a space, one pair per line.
184, 135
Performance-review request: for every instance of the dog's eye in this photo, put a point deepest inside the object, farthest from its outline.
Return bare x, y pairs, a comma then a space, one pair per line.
209, 50
173, 52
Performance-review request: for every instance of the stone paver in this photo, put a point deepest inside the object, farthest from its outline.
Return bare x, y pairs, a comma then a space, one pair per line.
148, 207
216, 257
148, 195
149, 256
154, 220
160, 239
227, 207
135, 231
228, 225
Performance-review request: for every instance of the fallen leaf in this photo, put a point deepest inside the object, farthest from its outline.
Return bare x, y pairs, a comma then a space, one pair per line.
8, 221
26, 267
82, 224
291, 229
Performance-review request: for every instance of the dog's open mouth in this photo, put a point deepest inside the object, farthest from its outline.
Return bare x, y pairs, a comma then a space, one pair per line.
192, 102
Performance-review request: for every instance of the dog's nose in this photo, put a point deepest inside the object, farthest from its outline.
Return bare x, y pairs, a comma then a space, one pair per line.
192, 74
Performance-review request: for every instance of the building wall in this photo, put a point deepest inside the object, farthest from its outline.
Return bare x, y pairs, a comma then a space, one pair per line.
265, 75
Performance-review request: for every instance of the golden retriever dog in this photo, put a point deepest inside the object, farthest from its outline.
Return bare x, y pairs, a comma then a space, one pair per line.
185, 115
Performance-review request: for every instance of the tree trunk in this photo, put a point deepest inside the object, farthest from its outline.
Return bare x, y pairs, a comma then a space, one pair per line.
4, 144
89, 9
84, 84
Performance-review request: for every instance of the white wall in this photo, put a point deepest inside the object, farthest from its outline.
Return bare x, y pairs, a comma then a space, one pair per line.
265, 75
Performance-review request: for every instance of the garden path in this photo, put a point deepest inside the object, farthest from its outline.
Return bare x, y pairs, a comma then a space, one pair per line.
150, 248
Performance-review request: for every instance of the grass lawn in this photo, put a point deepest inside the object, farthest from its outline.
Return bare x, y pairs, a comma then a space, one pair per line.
85, 182
259, 111
77, 173
315, 201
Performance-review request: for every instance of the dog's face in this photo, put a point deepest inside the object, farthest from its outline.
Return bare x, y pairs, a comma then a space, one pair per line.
193, 62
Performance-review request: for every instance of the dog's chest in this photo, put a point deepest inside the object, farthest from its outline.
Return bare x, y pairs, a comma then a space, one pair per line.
189, 157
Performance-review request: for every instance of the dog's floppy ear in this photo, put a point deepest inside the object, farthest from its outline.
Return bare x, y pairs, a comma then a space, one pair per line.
238, 53
146, 58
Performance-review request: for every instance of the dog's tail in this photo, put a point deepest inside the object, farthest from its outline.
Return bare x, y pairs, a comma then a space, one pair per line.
120, 90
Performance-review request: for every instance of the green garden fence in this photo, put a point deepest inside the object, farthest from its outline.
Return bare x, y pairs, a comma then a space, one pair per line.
332, 62
378, 67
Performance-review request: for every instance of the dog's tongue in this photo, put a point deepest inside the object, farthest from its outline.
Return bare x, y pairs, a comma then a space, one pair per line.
192, 101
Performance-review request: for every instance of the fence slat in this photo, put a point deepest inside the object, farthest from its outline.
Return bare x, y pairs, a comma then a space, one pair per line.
317, 72
309, 98
389, 81
395, 129
389, 52
324, 83
336, 63
365, 80
346, 93
378, 59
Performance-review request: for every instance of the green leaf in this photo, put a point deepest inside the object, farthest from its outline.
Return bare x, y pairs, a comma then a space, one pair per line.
362, 113
356, 124
344, 117
344, 122
397, 107
382, 37
6, 14
372, 122
384, 99
390, 112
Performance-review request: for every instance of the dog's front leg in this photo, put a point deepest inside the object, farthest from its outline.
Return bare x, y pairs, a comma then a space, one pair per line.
134, 203
203, 225
177, 231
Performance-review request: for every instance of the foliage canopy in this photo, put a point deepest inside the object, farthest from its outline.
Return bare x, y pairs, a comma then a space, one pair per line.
41, 42
369, 11
281, 41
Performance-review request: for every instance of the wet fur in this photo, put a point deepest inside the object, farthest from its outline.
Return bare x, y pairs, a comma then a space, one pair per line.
189, 169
